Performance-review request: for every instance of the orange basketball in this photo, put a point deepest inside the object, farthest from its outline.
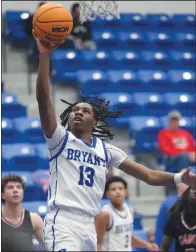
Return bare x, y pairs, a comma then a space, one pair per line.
52, 21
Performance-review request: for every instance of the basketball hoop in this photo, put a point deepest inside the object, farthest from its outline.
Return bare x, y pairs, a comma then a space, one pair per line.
91, 9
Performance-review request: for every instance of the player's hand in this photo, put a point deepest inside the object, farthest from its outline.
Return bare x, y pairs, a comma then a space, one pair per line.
46, 46
188, 178
153, 247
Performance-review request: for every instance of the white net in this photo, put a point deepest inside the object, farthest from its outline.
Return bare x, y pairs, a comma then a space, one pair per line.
91, 9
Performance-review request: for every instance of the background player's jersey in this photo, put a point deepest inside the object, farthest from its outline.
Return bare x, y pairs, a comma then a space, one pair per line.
118, 235
78, 171
184, 235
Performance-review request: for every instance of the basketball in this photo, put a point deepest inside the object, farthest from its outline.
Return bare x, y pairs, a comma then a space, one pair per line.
52, 21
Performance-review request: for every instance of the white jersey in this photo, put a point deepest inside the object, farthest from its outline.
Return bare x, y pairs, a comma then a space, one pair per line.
118, 235
78, 171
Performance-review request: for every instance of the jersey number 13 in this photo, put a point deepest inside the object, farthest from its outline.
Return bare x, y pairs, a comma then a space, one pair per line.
87, 180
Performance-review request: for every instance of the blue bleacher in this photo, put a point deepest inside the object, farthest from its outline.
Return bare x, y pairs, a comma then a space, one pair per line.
144, 64
125, 80
125, 58
11, 108
182, 80
19, 157
96, 59
158, 20
154, 80
7, 131
183, 102
151, 103
106, 39
14, 22
184, 20
28, 129
93, 81
129, 20
122, 101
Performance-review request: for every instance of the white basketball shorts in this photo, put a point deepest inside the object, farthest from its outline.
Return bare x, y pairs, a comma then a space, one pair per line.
64, 231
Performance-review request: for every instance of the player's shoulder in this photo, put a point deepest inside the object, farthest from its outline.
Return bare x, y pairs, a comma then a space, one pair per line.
105, 212
113, 149
36, 220
106, 207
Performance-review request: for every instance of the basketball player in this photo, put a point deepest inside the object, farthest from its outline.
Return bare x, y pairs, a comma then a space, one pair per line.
181, 225
114, 224
17, 224
79, 161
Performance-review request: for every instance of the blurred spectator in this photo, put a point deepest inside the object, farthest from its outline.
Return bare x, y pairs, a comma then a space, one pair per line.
81, 33
163, 214
18, 224
177, 144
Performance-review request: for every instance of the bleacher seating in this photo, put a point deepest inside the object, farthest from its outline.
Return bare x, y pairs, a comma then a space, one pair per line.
145, 64
28, 130
19, 157
11, 108
14, 24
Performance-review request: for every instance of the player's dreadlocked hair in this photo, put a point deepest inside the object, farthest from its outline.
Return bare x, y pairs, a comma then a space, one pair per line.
101, 113
181, 204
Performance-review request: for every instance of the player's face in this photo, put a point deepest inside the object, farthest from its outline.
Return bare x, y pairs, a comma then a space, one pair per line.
192, 195
117, 193
13, 193
82, 118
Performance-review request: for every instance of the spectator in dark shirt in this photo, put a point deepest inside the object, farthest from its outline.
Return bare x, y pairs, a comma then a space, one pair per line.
81, 33
162, 216
177, 145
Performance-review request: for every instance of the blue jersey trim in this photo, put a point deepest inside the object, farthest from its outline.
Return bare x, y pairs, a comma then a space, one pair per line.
62, 147
93, 144
49, 193
53, 244
55, 184
123, 217
105, 151
111, 226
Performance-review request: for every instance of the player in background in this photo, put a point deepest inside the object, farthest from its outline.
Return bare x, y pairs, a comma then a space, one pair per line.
18, 225
78, 163
114, 224
181, 224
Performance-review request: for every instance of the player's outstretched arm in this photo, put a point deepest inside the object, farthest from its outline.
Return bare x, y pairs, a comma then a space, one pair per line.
139, 243
166, 243
102, 222
43, 92
156, 178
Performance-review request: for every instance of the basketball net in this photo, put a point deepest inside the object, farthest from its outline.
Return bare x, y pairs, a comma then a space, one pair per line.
104, 9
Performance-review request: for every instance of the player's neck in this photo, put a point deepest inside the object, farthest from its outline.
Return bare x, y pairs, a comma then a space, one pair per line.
12, 211
119, 207
84, 136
